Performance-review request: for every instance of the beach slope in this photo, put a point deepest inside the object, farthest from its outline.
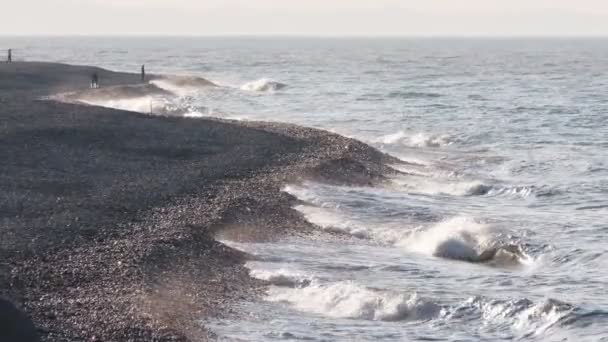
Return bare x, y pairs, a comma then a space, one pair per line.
108, 217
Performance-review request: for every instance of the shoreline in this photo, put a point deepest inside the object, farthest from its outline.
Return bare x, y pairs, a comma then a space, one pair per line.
110, 217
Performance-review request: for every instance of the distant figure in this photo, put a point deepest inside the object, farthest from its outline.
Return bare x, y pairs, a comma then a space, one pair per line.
10, 56
143, 72
95, 81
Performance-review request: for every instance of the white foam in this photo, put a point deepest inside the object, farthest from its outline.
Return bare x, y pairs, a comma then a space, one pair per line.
514, 191
540, 317
169, 86
263, 85
391, 138
431, 184
182, 85
415, 140
332, 220
350, 300
145, 104
524, 316
463, 238
302, 193
432, 181
458, 236
194, 115
279, 275
424, 140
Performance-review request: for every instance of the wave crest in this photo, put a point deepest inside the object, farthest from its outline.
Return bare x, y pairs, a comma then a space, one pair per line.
523, 315
263, 85
432, 182
182, 84
462, 238
350, 300
283, 276
415, 140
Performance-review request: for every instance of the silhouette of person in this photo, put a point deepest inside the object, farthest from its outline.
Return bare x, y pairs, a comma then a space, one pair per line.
95, 81
143, 72
10, 56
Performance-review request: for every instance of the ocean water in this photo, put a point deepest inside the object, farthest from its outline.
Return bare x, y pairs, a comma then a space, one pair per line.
498, 230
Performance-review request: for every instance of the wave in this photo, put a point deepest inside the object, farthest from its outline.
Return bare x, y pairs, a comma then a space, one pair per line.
430, 181
283, 276
412, 95
516, 191
333, 221
182, 84
141, 98
522, 315
462, 238
415, 140
263, 85
329, 218
419, 183
593, 207
150, 98
194, 115
350, 300
458, 238
113, 93
147, 105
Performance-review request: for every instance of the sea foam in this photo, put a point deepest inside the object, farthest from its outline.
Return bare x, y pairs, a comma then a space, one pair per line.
350, 300
279, 275
263, 85
415, 140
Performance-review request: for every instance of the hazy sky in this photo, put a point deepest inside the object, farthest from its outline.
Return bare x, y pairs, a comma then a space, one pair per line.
306, 17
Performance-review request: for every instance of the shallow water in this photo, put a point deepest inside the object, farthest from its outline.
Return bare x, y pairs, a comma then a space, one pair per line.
507, 150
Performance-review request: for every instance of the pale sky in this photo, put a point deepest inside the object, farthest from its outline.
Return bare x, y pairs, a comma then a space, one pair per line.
306, 17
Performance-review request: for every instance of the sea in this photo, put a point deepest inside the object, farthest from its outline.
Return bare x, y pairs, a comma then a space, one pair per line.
497, 227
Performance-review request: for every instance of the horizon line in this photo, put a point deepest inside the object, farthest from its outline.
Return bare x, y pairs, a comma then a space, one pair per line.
297, 35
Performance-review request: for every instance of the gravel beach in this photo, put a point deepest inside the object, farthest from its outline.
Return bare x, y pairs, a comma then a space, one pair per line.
108, 218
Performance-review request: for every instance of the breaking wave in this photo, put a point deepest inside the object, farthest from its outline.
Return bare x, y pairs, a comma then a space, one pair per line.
282, 276
431, 181
159, 97
463, 238
433, 186
123, 92
523, 316
182, 84
458, 238
333, 221
263, 85
147, 105
457, 187
350, 300
517, 191
415, 140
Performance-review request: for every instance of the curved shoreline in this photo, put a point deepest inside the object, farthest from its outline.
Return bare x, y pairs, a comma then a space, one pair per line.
109, 217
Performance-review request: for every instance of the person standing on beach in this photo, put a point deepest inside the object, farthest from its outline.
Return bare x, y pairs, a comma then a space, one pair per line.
10, 56
143, 73
95, 81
